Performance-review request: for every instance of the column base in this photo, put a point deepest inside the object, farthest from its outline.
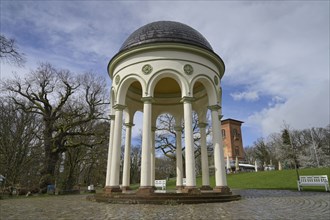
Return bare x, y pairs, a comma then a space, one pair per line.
191, 190
125, 188
180, 187
145, 190
223, 190
206, 187
112, 189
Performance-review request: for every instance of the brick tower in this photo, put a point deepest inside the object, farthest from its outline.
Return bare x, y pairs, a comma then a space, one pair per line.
232, 139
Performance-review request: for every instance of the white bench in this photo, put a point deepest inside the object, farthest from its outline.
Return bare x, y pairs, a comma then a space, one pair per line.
161, 184
313, 181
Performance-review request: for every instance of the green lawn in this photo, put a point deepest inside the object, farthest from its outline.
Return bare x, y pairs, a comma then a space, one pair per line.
284, 179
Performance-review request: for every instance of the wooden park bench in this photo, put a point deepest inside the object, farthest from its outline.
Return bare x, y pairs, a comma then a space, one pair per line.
160, 184
321, 180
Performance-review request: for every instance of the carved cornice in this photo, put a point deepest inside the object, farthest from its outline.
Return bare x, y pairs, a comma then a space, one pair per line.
119, 107
147, 100
187, 99
214, 107
129, 124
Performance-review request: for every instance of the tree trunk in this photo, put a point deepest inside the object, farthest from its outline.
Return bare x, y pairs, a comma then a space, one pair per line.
51, 159
70, 180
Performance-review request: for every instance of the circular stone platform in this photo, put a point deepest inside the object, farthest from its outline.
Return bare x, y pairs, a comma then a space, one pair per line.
164, 198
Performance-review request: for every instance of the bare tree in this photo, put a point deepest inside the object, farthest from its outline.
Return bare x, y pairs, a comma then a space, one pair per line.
262, 151
65, 103
86, 164
166, 138
135, 164
93, 168
10, 52
166, 135
165, 167
250, 154
20, 145
293, 148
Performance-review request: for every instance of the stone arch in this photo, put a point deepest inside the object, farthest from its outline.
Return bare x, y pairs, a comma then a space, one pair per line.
113, 99
125, 84
210, 87
167, 73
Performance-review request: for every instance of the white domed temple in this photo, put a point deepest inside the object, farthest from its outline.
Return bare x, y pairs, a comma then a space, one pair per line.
166, 67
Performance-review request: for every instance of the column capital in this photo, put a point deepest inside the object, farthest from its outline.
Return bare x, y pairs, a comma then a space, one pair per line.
112, 117
148, 99
129, 124
202, 125
214, 107
188, 99
220, 117
177, 128
119, 107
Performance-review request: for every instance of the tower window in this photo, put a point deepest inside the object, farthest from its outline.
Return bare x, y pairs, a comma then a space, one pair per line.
236, 151
235, 134
223, 133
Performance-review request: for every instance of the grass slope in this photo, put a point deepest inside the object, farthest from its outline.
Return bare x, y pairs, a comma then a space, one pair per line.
284, 179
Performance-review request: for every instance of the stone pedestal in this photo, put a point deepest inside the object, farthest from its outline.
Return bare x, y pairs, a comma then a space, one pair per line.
125, 188
145, 190
180, 187
112, 189
206, 188
223, 189
191, 190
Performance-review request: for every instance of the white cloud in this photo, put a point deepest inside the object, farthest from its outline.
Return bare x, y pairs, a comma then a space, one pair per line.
271, 49
306, 108
248, 96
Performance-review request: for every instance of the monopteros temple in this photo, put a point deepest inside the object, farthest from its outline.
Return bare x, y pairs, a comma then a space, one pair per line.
166, 67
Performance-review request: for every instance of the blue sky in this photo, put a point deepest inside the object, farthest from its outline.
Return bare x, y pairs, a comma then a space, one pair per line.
276, 52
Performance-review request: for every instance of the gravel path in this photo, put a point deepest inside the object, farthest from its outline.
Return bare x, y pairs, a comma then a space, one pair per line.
255, 204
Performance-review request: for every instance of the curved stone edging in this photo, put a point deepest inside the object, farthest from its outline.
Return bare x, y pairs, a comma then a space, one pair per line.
164, 198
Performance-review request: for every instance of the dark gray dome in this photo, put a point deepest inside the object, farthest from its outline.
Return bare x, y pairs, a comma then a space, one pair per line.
165, 32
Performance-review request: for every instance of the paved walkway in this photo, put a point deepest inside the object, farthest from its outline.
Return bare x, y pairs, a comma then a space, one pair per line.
255, 204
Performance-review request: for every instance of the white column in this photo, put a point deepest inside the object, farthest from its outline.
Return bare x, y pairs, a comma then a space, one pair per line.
146, 145
204, 156
112, 125
220, 172
115, 157
189, 143
152, 167
127, 156
179, 167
